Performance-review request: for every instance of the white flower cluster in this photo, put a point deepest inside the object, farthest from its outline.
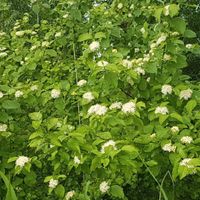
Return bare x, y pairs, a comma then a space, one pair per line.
3, 127
53, 183
45, 44
104, 187
94, 46
102, 63
185, 162
166, 89
139, 71
120, 6
161, 39
161, 110
18, 93
55, 93
34, 87
129, 107
189, 46
167, 57
69, 195
186, 139
116, 105
21, 161
166, 10
81, 82
169, 147
185, 94
1, 94
97, 110
58, 34
3, 54
174, 129
19, 33
33, 47
88, 96
77, 160
107, 144
127, 63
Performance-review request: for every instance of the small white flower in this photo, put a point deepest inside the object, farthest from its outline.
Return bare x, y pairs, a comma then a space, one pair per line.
148, 79
169, 147
130, 15
97, 109
81, 83
3, 54
129, 107
166, 89
189, 46
185, 162
34, 87
139, 71
102, 63
19, 33
107, 144
69, 195
104, 187
58, 34
88, 96
153, 45
137, 50
120, 6
77, 160
175, 33
153, 135
185, 94
161, 110
1, 94
167, 57
55, 93
65, 16
127, 63
161, 39
33, 47
21, 161
116, 105
53, 183
3, 127
45, 44
18, 93
142, 30
94, 46
2, 33
186, 139
175, 129
166, 10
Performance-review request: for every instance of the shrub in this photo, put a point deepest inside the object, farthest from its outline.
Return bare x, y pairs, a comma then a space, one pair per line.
94, 105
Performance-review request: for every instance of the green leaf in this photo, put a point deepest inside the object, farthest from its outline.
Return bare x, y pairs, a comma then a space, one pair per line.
60, 191
189, 34
178, 24
190, 106
116, 32
129, 148
51, 52
174, 10
36, 116
100, 35
157, 13
10, 104
84, 37
117, 191
36, 9
52, 123
177, 116
10, 195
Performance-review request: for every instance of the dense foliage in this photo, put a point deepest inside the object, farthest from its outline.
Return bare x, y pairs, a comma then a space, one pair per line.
94, 103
